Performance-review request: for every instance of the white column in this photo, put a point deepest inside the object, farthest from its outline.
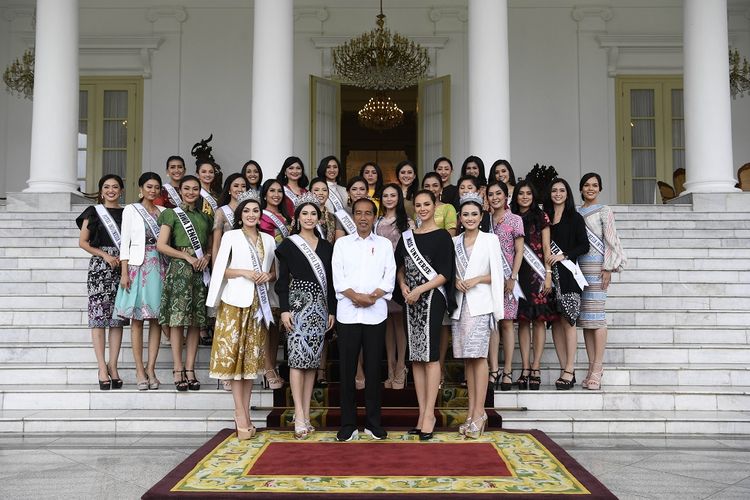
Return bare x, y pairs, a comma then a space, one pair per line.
272, 132
708, 119
54, 128
489, 80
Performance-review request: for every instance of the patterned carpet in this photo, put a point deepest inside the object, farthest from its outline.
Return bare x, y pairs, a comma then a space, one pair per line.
274, 465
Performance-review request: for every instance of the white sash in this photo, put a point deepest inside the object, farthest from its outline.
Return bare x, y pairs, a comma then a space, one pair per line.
533, 261
346, 221
278, 223
210, 199
333, 195
595, 242
573, 268
149, 219
174, 197
507, 272
461, 258
290, 194
109, 224
416, 256
315, 263
265, 306
229, 214
187, 225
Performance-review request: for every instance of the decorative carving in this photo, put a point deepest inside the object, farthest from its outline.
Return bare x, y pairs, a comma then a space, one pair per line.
602, 12
156, 13
437, 14
321, 14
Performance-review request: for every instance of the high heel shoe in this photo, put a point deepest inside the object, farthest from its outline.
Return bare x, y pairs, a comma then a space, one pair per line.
105, 385
493, 378
320, 378
462, 428
244, 433
585, 381
414, 431
535, 381
310, 428
181, 385
153, 383
300, 429
595, 380
523, 380
192, 383
476, 430
399, 381
565, 385
505, 386
116, 382
272, 380
426, 436
388, 383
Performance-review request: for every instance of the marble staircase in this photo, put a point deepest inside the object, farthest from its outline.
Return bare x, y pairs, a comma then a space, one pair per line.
678, 359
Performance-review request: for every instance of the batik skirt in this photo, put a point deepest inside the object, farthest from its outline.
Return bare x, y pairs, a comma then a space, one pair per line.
102, 284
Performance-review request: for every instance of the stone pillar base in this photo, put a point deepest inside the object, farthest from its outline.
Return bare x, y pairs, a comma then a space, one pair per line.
44, 202
715, 202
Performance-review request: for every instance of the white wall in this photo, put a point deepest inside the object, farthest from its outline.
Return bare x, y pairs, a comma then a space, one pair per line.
200, 81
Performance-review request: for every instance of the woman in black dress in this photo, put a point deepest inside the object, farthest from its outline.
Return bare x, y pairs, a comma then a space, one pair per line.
425, 276
100, 236
307, 302
568, 242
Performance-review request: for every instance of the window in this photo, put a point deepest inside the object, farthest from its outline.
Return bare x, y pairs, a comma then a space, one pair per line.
109, 131
650, 135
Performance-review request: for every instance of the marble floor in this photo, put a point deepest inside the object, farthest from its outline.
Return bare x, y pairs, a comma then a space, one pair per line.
125, 466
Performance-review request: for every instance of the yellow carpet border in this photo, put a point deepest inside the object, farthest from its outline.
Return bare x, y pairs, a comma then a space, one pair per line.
534, 470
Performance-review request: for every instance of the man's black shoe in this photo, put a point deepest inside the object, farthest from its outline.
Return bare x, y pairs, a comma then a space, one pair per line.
348, 433
377, 433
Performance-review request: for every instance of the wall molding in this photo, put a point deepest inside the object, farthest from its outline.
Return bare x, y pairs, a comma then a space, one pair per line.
165, 12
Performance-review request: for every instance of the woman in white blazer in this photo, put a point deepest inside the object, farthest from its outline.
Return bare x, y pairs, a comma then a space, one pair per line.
239, 291
141, 277
479, 296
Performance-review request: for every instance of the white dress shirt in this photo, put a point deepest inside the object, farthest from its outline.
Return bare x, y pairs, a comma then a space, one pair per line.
364, 265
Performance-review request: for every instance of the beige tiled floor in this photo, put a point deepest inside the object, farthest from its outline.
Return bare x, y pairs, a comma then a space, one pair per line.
125, 466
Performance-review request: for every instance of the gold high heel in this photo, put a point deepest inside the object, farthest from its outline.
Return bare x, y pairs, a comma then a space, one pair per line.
399, 381
274, 381
475, 431
244, 433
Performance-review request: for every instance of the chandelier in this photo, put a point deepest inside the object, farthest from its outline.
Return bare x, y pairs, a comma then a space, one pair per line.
380, 60
380, 113
19, 75
739, 74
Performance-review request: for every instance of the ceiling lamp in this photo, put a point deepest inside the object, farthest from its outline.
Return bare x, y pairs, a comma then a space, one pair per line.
739, 74
380, 113
19, 75
380, 60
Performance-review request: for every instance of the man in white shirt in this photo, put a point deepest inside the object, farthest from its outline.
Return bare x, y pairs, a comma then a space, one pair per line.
364, 273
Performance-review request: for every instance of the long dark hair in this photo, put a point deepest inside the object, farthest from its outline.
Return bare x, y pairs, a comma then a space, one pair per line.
402, 219
534, 217
570, 206
511, 174
378, 180
588, 176
412, 190
264, 193
238, 212
284, 180
297, 226
260, 174
323, 165
482, 176
225, 196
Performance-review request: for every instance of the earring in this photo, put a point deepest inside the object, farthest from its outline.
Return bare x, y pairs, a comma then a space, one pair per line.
140, 196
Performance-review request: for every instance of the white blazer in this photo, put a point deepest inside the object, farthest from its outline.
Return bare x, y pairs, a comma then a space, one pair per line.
485, 259
238, 291
133, 231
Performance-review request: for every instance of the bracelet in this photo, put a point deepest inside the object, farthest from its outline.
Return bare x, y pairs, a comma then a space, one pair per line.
549, 271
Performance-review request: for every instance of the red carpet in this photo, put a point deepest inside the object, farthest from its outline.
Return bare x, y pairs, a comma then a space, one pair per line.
379, 459
501, 464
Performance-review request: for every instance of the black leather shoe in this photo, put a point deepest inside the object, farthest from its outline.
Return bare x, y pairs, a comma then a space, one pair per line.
348, 433
414, 432
425, 436
376, 433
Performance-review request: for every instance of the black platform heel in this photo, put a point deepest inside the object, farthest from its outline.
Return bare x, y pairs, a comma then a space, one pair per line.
565, 385
505, 386
535, 381
523, 380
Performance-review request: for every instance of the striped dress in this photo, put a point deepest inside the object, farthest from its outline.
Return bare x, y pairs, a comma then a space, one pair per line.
601, 222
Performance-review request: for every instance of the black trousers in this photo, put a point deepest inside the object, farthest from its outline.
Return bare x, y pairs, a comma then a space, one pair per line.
371, 340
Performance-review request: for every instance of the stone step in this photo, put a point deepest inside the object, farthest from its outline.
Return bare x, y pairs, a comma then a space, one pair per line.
669, 334
688, 253
672, 275
677, 222
89, 397
724, 375
696, 398
576, 422
44, 252
74, 354
71, 232
44, 263
656, 242
46, 223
